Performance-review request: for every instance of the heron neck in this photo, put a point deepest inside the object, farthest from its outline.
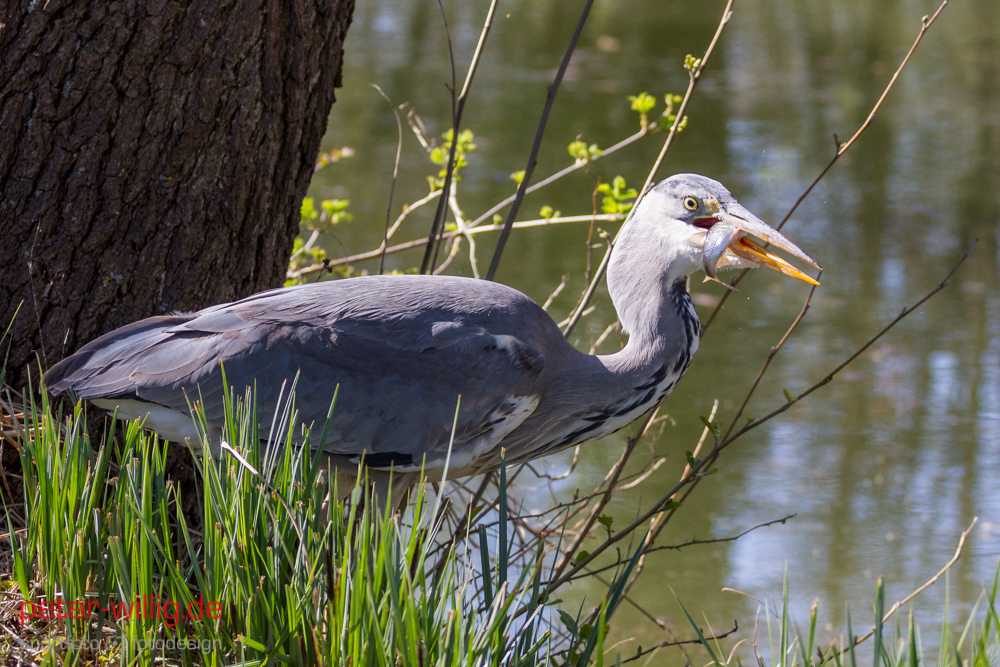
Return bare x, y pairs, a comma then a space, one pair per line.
654, 309
661, 326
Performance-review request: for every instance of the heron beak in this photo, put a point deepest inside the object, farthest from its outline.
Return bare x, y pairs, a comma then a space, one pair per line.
739, 218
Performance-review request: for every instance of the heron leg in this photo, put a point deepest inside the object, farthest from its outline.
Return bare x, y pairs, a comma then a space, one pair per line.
394, 493
384, 493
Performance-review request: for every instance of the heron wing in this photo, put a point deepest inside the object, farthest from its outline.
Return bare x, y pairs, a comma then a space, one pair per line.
398, 357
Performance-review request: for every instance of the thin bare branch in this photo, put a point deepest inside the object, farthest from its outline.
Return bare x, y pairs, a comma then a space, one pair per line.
395, 173
693, 78
533, 157
577, 165
925, 24
900, 603
736, 626
767, 362
689, 543
469, 230
458, 107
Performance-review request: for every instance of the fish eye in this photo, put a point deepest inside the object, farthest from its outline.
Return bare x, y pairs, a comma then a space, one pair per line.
690, 203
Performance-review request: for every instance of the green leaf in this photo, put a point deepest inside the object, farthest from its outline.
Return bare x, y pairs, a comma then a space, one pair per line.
517, 176
643, 102
569, 622
255, 645
581, 152
615, 194
605, 521
697, 630
691, 63
789, 396
581, 556
309, 211
692, 461
336, 210
440, 155
712, 426
671, 504
578, 150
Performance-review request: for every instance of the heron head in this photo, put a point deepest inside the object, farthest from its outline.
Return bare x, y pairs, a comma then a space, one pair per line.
708, 229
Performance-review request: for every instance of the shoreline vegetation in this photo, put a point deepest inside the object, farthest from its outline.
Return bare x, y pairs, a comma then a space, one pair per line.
101, 563
108, 560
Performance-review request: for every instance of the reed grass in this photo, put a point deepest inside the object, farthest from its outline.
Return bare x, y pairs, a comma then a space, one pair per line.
275, 571
279, 573
974, 642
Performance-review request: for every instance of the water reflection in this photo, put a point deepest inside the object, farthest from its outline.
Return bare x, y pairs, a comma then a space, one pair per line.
885, 466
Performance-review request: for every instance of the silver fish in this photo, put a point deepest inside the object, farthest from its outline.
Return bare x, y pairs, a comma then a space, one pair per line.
717, 239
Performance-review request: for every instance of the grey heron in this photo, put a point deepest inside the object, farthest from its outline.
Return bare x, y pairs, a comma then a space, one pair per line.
402, 349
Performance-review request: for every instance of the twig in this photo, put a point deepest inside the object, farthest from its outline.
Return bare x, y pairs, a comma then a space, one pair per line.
533, 157
564, 475
925, 23
458, 107
474, 226
770, 355
20, 642
736, 626
644, 476
395, 172
611, 481
579, 164
588, 294
600, 339
305, 246
689, 543
430, 252
556, 291
407, 210
659, 522
663, 519
469, 230
871, 341
915, 593
694, 75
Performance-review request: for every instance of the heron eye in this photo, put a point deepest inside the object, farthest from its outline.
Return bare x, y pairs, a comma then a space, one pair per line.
690, 203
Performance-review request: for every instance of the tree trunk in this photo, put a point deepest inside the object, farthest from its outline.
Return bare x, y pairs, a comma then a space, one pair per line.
153, 156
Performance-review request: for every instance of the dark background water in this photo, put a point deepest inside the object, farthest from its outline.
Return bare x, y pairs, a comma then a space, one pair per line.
884, 467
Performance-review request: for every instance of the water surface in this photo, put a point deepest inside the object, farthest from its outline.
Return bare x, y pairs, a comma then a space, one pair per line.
884, 467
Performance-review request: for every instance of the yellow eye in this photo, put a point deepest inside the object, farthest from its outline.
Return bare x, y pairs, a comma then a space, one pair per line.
690, 203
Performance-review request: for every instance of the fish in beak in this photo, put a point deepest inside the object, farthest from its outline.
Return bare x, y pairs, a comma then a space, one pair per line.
727, 242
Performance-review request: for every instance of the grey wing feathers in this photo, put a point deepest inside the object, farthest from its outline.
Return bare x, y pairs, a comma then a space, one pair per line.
401, 357
102, 367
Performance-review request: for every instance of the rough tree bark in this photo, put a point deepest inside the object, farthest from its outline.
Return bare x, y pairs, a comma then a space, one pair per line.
153, 156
